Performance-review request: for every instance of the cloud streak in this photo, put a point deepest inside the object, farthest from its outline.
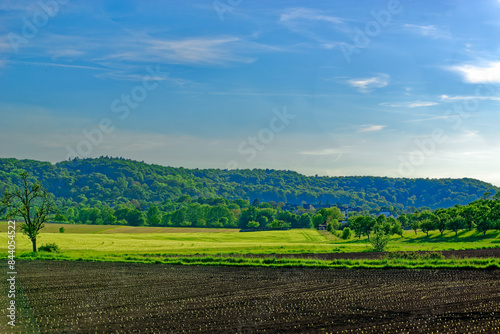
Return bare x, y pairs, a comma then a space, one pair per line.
371, 128
366, 85
414, 104
193, 50
293, 14
428, 31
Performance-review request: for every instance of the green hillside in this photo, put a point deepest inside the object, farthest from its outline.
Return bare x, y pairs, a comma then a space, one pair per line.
113, 181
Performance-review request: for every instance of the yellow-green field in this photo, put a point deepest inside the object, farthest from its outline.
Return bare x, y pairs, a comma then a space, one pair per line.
116, 241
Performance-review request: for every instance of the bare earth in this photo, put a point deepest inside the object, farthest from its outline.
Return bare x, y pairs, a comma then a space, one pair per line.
98, 297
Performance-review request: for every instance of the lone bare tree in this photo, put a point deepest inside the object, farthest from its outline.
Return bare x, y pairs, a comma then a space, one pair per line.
32, 202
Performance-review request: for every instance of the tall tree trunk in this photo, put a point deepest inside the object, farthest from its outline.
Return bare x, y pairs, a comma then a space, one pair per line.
33, 241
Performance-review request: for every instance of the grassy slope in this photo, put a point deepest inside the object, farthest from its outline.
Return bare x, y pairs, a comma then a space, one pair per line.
101, 243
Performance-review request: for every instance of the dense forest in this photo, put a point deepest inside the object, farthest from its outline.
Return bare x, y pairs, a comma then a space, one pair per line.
115, 181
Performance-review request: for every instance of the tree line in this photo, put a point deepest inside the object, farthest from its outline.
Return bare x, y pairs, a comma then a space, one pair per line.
204, 212
482, 215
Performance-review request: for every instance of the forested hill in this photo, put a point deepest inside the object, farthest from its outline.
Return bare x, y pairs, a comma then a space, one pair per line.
115, 180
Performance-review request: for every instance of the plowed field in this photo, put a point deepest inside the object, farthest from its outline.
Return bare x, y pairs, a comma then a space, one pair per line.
98, 297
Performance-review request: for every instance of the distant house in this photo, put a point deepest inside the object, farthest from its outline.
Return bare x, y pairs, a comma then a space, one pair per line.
322, 227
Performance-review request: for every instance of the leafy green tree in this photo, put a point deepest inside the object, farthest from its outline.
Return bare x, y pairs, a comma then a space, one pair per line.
122, 213
440, 220
395, 227
166, 219
32, 202
470, 213
108, 216
484, 225
224, 221
427, 225
178, 218
60, 218
305, 221
218, 224
331, 217
253, 224
356, 224
367, 224
263, 220
136, 218
88, 215
383, 224
456, 224
403, 219
381, 219
291, 218
277, 224
415, 225
247, 215
496, 224
153, 216
317, 220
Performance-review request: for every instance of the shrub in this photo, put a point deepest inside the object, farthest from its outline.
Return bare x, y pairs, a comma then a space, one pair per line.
379, 241
49, 248
61, 229
346, 233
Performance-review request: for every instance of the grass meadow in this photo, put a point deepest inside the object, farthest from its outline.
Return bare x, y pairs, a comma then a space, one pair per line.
212, 246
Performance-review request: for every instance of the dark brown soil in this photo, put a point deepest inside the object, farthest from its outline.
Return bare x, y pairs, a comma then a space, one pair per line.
469, 253
98, 297
478, 253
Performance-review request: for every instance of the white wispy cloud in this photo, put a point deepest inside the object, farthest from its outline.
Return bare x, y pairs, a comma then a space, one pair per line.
413, 104
371, 128
428, 31
486, 73
431, 118
324, 151
192, 50
447, 98
307, 14
141, 48
315, 25
120, 75
366, 85
65, 53
270, 94
57, 65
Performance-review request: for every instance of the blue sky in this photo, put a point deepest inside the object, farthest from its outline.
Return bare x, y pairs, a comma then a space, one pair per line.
385, 88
